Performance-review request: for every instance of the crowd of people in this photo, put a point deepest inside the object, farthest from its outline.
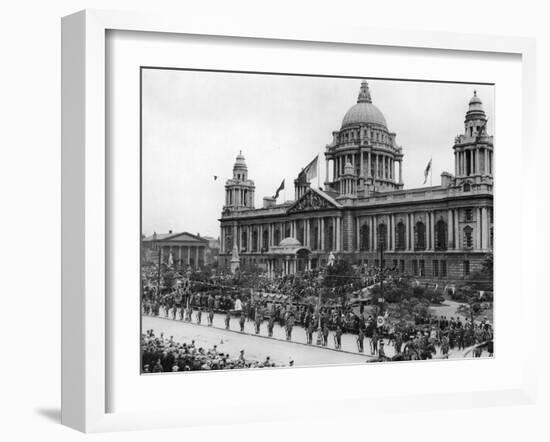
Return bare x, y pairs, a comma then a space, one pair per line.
159, 355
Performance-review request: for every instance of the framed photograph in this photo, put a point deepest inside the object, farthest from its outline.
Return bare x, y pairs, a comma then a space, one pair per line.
271, 212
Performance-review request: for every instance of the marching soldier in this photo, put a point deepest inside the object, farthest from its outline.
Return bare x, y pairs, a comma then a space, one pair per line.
310, 329
338, 338
257, 320
270, 325
227, 319
242, 320
289, 325
325, 334
360, 340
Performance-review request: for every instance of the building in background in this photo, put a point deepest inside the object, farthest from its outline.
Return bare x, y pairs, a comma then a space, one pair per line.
363, 214
180, 250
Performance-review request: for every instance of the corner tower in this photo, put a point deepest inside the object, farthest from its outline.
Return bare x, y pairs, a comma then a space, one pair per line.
473, 149
239, 190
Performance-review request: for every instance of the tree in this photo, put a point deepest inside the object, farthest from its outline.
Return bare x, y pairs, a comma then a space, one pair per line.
340, 274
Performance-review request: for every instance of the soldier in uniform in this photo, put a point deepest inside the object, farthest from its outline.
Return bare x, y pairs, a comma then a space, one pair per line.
289, 325
199, 315
210, 316
310, 329
270, 325
242, 320
360, 340
227, 319
325, 334
338, 338
257, 320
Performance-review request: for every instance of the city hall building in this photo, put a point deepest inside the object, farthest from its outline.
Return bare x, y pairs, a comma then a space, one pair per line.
363, 214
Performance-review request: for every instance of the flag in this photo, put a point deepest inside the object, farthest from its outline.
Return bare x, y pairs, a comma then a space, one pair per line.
311, 169
281, 187
427, 171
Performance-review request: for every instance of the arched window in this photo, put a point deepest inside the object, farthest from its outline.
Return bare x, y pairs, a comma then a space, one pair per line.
468, 237
441, 235
265, 240
420, 236
382, 236
244, 241
277, 236
364, 237
466, 187
254, 247
400, 236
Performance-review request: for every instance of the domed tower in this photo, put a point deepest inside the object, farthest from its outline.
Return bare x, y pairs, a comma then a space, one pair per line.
474, 149
239, 191
364, 142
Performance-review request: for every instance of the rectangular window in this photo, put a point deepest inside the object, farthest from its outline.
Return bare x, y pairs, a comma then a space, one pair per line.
466, 268
422, 269
415, 267
376, 263
468, 215
443, 268
435, 265
402, 265
394, 263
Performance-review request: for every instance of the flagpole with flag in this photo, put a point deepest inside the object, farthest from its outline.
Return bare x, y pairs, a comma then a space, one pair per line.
427, 171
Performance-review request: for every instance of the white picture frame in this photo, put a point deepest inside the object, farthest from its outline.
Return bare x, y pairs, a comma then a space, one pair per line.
85, 202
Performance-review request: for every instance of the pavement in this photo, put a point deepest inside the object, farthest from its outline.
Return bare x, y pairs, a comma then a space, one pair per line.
256, 347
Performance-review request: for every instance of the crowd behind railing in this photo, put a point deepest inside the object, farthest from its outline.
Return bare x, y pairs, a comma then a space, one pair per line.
159, 355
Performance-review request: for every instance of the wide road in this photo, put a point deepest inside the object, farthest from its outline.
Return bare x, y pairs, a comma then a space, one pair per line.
256, 347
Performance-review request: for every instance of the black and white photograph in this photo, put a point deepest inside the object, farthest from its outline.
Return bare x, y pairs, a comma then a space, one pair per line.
295, 220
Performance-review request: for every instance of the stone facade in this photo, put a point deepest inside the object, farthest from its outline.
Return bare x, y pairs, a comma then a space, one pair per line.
364, 214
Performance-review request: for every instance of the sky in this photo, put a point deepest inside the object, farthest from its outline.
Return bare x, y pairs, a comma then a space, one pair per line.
195, 123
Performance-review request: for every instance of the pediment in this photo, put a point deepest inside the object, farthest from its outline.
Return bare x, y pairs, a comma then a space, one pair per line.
313, 200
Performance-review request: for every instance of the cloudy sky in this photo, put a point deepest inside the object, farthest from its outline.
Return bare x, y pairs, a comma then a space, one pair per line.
195, 123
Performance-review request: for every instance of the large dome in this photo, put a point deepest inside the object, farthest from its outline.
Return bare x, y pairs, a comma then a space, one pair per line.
364, 112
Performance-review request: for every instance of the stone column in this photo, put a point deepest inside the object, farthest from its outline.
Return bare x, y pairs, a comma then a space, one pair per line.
326, 169
458, 238
179, 255
375, 232
450, 244
478, 229
388, 233
368, 164
322, 233
338, 235
400, 171
432, 231
407, 237
357, 236
486, 230
188, 255
392, 233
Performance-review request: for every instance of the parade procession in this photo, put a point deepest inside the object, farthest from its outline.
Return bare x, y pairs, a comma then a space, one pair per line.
355, 269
